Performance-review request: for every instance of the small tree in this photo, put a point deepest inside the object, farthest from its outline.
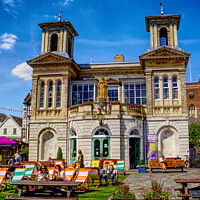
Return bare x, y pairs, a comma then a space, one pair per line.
59, 154
194, 134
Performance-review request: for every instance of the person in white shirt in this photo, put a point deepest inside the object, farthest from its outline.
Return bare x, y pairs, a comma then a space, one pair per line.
162, 161
58, 173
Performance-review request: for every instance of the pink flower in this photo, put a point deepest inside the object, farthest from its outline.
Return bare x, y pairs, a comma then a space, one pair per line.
99, 108
141, 193
146, 194
109, 105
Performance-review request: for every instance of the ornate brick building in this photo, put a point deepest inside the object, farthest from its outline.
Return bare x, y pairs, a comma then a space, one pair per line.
145, 98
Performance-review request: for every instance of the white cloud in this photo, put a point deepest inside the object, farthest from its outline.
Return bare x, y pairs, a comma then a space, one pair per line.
7, 41
12, 6
50, 16
23, 71
65, 2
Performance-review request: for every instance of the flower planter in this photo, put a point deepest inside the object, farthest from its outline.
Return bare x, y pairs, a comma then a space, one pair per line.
141, 169
124, 199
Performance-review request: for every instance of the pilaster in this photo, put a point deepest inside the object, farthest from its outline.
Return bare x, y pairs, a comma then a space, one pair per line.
149, 93
34, 97
155, 36
183, 92
171, 35
65, 41
151, 35
175, 35
43, 41
61, 41
46, 41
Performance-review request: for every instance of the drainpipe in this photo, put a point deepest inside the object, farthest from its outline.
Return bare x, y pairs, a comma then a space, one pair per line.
68, 134
145, 139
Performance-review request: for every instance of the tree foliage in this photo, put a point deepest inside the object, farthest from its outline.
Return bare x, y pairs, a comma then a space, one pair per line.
59, 154
194, 134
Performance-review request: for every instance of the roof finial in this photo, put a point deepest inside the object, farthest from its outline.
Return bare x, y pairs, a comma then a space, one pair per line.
161, 4
60, 11
91, 59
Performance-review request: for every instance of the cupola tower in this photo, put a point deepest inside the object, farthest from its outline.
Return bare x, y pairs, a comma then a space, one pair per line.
163, 30
58, 37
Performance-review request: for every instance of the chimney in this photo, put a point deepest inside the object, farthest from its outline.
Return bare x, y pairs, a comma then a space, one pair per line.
119, 58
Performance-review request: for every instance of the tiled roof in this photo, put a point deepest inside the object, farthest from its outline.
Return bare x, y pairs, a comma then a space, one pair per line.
18, 120
2, 117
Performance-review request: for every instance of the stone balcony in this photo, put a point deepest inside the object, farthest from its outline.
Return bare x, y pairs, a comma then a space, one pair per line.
112, 108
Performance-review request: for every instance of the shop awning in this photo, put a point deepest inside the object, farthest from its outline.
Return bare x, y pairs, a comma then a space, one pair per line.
5, 142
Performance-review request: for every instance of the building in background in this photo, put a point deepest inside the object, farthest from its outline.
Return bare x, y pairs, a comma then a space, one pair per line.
11, 128
193, 101
26, 118
109, 109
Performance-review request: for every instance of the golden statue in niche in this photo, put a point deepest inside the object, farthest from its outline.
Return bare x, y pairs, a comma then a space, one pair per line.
102, 89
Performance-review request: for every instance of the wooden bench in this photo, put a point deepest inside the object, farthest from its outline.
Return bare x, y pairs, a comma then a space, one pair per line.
170, 164
185, 190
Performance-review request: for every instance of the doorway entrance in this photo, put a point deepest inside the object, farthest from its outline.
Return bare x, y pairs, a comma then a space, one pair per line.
73, 148
134, 152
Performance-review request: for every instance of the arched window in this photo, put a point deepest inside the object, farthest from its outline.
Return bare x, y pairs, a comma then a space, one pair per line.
165, 88
69, 48
54, 42
41, 95
50, 94
134, 132
175, 87
163, 37
192, 110
101, 131
156, 88
58, 94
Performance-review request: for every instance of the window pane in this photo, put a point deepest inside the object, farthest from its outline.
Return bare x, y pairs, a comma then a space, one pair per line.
85, 88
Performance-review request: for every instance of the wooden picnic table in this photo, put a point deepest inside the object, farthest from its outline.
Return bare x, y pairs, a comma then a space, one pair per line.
52, 187
185, 191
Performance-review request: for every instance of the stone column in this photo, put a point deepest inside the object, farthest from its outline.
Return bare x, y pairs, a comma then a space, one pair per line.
149, 93
61, 41
161, 90
54, 96
183, 92
72, 48
171, 35
170, 90
43, 41
175, 35
155, 39
45, 95
34, 96
65, 94
65, 41
151, 35
46, 41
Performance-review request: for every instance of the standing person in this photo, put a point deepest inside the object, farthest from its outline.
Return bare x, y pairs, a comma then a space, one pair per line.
58, 173
18, 156
43, 173
162, 161
80, 159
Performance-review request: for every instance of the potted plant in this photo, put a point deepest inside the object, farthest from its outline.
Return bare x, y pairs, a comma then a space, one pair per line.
156, 191
123, 193
141, 167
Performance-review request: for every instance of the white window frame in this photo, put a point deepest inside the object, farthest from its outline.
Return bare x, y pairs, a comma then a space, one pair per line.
156, 88
117, 89
175, 87
166, 87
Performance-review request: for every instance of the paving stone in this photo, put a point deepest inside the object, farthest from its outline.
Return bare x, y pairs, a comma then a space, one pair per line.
137, 180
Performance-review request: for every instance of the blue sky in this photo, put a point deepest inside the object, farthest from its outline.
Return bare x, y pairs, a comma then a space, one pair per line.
105, 27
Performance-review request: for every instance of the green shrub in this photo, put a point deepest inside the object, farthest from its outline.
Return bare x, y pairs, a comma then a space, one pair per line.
141, 162
59, 154
25, 152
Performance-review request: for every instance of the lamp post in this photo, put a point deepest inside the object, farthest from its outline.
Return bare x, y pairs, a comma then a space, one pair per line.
100, 117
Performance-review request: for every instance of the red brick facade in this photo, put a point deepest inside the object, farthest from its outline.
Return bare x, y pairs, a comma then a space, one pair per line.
193, 99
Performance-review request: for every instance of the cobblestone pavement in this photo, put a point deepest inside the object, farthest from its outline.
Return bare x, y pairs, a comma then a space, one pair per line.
137, 180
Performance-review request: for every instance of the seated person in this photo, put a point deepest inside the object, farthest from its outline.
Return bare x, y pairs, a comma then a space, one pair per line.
162, 162
177, 158
12, 161
58, 174
43, 174
111, 172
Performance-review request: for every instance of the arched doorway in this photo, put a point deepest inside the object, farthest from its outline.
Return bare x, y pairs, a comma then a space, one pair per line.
134, 148
101, 143
48, 145
163, 37
73, 146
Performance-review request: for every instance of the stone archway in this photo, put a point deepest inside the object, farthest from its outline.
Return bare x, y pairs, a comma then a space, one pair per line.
167, 142
48, 145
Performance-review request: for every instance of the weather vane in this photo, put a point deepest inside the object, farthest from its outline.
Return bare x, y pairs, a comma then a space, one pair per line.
161, 4
59, 18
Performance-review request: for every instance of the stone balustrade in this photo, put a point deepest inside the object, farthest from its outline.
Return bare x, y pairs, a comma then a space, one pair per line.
111, 108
